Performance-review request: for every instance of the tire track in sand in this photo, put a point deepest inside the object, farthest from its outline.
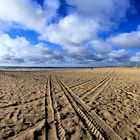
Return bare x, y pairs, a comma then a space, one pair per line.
84, 82
96, 90
96, 126
53, 120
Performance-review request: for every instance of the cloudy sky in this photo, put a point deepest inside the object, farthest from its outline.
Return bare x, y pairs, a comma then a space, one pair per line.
69, 32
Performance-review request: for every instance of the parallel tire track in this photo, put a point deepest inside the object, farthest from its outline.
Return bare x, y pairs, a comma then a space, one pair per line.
84, 82
95, 88
55, 123
86, 120
95, 125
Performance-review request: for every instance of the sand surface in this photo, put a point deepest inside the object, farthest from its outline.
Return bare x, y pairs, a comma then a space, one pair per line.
82, 104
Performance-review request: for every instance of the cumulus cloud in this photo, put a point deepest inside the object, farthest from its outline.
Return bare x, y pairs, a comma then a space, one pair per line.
28, 14
86, 55
94, 51
119, 58
19, 50
127, 40
71, 30
136, 58
118, 54
77, 32
84, 22
103, 11
79, 39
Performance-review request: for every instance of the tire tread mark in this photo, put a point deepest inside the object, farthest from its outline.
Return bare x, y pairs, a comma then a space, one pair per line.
99, 126
84, 82
60, 132
101, 83
87, 121
50, 122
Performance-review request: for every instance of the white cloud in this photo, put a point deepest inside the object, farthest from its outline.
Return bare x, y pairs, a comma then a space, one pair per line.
77, 33
19, 50
71, 30
119, 58
118, 54
27, 14
84, 22
136, 58
104, 11
51, 6
127, 40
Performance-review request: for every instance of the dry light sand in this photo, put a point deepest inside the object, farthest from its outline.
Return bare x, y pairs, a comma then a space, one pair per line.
80, 104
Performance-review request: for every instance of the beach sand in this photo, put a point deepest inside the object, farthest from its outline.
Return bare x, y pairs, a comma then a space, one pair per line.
98, 103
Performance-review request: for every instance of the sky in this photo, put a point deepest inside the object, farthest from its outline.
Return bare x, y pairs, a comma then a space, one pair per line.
69, 33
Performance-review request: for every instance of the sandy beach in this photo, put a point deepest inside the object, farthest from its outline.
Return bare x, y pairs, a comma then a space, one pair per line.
77, 104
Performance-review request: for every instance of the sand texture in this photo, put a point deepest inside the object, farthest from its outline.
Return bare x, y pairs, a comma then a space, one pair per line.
80, 104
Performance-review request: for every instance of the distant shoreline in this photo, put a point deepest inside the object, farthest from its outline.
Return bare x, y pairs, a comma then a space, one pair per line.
7, 68
36, 67
16, 68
